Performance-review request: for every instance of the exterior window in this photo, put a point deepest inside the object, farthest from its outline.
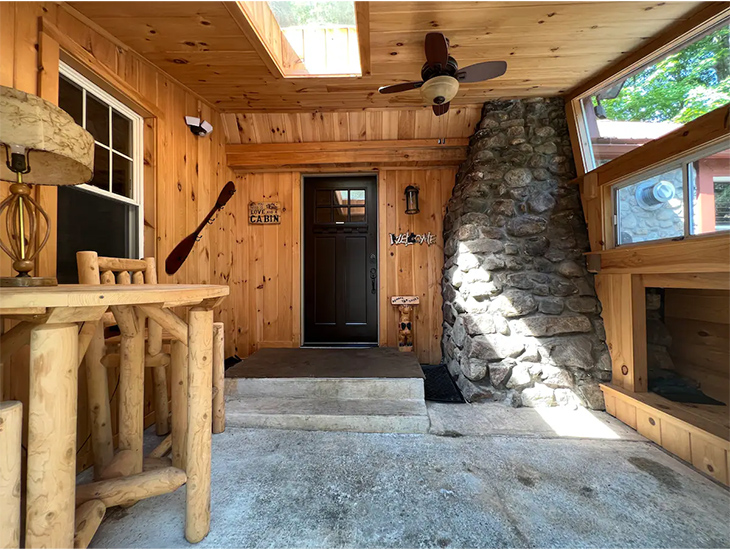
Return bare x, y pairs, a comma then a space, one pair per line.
690, 198
709, 184
651, 209
104, 215
658, 98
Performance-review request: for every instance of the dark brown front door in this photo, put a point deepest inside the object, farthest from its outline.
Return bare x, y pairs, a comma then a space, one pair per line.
340, 260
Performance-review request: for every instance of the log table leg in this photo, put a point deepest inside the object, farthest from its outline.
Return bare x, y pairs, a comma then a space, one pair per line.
131, 384
51, 480
11, 423
219, 373
200, 409
179, 397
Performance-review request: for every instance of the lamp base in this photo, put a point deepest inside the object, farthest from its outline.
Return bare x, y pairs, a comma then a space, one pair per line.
27, 281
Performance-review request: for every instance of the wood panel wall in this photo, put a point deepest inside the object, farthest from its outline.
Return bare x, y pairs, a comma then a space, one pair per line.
699, 322
273, 316
182, 173
262, 263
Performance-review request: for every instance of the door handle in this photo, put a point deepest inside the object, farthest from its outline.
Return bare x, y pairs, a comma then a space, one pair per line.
373, 276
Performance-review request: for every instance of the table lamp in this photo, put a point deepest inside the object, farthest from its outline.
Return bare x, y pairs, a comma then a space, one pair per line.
42, 146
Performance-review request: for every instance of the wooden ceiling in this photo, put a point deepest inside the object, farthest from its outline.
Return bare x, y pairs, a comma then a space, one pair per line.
550, 47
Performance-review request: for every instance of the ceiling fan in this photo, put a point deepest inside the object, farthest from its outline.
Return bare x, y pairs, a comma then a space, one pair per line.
440, 75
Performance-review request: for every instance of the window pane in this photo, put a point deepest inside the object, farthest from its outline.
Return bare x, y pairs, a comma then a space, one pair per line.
651, 209
121, 176
70, 99
341, 214
101, 168
341, 197
323, 197
357, 197
709, 180
357, 214
659, 97
121, 133
324, 215
97, 119
90, 221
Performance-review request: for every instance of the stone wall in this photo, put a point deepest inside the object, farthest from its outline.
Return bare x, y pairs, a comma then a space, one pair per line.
521, 320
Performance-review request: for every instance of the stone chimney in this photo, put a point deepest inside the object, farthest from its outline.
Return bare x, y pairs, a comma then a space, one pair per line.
521, 319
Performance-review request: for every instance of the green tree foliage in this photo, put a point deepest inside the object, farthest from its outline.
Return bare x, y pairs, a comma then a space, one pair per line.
300, 14
679, 88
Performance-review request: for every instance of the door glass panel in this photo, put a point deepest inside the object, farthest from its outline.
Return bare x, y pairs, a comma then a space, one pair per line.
97, 119
357, 214
357, 197
340, 214
121, 134
341, 197
121, 176
101, 168
324, 215
323, 197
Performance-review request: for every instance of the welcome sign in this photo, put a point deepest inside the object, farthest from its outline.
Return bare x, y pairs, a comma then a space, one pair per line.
264, 213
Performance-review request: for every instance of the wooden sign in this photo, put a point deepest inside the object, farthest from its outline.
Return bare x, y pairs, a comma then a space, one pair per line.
404, 300
264, 213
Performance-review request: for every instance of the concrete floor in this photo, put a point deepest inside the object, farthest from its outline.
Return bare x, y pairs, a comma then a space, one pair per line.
495, 477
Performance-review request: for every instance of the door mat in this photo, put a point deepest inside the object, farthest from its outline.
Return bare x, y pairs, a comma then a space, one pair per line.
231, 361
439, 386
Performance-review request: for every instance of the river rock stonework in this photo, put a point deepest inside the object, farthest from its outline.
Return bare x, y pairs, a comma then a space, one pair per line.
521, 318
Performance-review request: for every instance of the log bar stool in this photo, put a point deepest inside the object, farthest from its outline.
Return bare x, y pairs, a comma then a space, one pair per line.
94, 270
59, 514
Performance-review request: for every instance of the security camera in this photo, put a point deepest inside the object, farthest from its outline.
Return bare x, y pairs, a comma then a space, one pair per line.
198, 126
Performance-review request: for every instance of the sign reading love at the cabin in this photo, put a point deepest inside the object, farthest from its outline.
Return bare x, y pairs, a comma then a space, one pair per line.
264, 213
412, 238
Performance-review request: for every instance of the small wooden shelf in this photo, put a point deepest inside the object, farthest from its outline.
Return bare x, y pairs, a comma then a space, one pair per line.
698, 434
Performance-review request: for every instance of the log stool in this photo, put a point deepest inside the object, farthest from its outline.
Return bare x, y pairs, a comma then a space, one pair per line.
405, 324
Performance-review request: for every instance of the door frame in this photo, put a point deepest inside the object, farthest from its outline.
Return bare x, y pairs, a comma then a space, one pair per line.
302, 177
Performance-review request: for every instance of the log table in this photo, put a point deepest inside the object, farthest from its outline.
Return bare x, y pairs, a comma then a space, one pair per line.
54, 319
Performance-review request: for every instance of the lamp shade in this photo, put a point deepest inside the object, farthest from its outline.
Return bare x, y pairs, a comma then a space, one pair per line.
60, 152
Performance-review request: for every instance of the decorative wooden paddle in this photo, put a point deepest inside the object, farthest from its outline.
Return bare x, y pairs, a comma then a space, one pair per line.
180, 253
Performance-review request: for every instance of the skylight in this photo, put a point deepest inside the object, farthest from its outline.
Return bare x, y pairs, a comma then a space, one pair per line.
322, 34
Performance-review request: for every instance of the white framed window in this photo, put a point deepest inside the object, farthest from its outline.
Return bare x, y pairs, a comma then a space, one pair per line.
681, 199
105, 214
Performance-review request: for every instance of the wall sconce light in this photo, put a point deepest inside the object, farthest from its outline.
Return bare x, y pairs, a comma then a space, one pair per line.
412, 200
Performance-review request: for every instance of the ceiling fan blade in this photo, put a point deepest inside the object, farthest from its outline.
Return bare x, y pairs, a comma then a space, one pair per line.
442, 109
404, 87
437, 49
481, 71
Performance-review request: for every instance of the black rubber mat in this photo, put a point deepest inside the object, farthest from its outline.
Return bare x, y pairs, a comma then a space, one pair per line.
439, 386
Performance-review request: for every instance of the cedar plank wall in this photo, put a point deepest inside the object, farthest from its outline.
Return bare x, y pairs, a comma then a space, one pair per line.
697, 319
183, 174
271, 283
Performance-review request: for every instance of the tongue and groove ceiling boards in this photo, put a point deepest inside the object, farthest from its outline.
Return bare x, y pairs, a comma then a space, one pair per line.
550, 47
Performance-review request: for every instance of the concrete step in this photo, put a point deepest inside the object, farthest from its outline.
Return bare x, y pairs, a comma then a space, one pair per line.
349, 415
326, 388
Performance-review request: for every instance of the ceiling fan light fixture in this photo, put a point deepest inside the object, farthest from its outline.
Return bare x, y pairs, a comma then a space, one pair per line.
439, 90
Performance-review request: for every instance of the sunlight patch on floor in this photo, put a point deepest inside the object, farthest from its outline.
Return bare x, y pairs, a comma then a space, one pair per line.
579, 422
